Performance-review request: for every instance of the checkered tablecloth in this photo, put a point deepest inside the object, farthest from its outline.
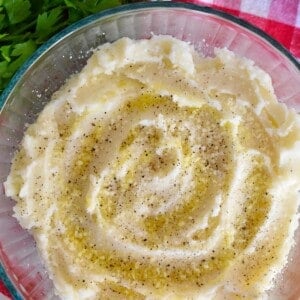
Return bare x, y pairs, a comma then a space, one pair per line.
278, 18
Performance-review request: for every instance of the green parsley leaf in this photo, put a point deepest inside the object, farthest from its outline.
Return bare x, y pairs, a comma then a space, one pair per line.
25, 24
106, 4
2, 35
70, 4
23, 48
74, 15
3, 22
47, 23
19, 53
92, 6
5, 52
3, 69
17, 10
3, 66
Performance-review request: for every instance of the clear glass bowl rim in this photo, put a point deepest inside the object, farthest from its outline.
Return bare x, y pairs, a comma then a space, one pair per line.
131, 7
119, 10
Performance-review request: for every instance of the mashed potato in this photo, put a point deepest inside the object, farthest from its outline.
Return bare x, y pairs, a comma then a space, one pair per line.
157, 173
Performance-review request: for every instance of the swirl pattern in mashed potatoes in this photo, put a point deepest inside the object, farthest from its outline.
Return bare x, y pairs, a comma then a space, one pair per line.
158, 173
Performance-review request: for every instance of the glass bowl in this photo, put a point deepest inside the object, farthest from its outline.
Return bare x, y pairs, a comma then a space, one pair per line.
67, 52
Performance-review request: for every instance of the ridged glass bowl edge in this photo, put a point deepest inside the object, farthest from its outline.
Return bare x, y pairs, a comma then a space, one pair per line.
8, 283
124, 8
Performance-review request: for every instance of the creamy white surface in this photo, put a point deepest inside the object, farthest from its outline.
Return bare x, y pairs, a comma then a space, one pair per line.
157, 173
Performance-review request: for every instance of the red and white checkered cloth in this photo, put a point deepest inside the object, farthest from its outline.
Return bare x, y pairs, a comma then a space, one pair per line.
279, 18
4, 292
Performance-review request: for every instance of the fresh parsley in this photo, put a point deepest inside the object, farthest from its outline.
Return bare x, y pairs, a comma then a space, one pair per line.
26, 24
